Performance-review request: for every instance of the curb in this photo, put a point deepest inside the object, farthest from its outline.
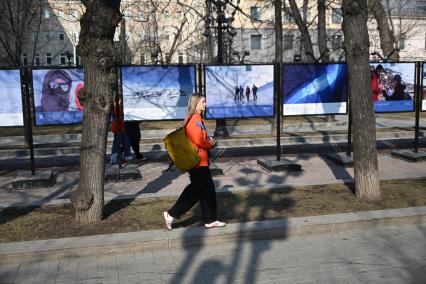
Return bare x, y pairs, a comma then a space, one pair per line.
198, 236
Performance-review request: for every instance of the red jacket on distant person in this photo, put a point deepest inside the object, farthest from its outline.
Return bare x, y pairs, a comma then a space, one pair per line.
197, 133
117, 120
376, 86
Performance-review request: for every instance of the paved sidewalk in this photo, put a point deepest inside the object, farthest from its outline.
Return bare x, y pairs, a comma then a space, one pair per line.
378, 255
240, 173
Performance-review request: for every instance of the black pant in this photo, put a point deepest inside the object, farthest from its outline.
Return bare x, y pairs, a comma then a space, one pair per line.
200, 189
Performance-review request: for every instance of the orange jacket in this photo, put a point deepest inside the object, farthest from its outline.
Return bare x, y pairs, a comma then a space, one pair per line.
117, 118
197, 133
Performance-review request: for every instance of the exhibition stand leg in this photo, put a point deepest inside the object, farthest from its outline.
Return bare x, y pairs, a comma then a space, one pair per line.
33, 178
406, 154
274, 165
345, 159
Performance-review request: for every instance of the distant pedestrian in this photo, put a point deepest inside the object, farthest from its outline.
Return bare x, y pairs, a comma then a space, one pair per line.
254, 90
237, 94
248, 93
241, 93
134, 133
201, 189
121, 141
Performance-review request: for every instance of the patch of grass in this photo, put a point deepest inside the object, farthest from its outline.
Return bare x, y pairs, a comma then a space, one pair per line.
47, 222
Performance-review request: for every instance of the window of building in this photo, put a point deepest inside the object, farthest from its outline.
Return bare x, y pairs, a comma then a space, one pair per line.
402, 43
336, 16
48, 59
255, 13
166, 36
306, 16
61, 36
63, 58
336, 42
47, 36
142, 58
180, 58
60, 14
24, 59
34, 36
287, 17
288, 42
255, 41
37, 59
46, 14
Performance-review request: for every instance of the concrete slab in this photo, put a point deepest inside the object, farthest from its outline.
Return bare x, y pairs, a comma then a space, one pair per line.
409, 155
128, 172
26, 180
272, 165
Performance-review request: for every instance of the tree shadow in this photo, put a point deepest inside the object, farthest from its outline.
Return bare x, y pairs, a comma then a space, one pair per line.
257, 206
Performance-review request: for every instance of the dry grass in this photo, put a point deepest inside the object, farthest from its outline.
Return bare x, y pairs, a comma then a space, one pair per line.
135, 215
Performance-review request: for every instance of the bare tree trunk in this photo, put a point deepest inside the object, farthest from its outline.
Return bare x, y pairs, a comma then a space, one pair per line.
322, 34
100, 61
305, 38
387, 37
354, 25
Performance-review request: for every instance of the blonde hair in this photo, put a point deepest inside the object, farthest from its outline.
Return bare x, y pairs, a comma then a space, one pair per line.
192, 104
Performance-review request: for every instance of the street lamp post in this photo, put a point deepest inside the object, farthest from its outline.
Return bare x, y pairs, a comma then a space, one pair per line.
223, 24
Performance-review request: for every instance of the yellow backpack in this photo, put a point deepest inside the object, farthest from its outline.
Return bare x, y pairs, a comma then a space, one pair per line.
180, 149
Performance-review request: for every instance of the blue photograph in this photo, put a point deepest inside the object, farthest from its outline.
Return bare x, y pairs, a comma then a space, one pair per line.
311, 89
157, 92
11, 98
239, 91
55, 96
393, 86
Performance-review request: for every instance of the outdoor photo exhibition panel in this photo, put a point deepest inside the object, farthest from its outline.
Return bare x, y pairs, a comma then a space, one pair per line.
393, 86
239, 91
55, 96
315, 89
424, 88
157, 92
10, 95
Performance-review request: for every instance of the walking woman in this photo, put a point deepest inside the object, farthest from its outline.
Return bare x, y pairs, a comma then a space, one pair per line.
201, 189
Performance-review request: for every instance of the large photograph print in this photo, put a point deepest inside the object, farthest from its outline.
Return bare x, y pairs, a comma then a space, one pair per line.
157, 92
239, 91
55, 96
315, 89
11, 98
393, 86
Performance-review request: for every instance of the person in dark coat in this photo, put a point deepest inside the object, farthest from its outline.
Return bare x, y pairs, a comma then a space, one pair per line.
397, 91
254, 90
248, 93
134, 133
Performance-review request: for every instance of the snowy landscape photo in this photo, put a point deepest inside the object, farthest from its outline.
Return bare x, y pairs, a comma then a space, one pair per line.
10, 95
396, 87
311, 89
55, 96
239, 91
157, 92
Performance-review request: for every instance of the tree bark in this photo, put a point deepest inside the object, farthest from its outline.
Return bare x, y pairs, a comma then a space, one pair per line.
322, 34
354, 25
305, 38
387, 37
100, 62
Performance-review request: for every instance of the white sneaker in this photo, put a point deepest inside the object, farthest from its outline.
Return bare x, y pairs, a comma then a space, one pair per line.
128, 158
113, 158
168, 219
215, 224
